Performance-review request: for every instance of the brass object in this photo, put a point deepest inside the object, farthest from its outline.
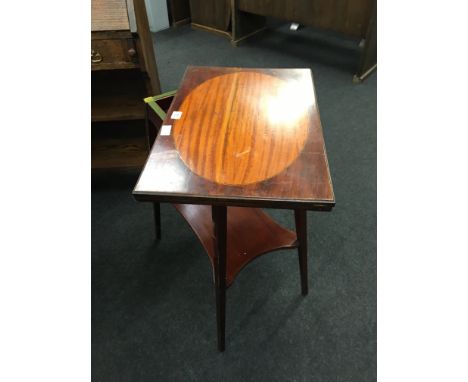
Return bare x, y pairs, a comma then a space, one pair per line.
95, 57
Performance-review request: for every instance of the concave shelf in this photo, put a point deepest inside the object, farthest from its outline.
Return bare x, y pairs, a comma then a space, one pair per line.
250, 233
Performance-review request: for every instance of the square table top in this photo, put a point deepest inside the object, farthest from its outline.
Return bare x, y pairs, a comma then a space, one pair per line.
240, 136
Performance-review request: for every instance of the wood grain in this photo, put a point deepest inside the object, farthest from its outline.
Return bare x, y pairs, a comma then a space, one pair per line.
145, 48
118, 153
108, 15
231, 236
170, 173
115, 53
224, 135
250, 233
345, 16
214, 14
126, 74
116, 107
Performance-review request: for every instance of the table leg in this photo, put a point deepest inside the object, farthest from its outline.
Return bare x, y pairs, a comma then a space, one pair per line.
157, 219
300, 217
219, 216
151, 129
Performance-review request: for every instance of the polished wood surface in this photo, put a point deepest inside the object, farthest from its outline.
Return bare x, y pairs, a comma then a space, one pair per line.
250, 233
238, 143
246, 137
232, 236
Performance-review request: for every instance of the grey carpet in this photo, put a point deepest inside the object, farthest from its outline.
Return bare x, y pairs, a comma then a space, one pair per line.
153, 312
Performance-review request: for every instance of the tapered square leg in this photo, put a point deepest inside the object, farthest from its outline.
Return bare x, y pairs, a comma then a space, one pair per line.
219, 216
300, 217
157, 220
151, 129
151, 132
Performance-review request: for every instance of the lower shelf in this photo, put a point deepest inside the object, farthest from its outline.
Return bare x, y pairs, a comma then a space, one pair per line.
118, 153
250, 233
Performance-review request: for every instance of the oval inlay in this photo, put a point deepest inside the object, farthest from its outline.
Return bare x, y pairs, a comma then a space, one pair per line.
243, 127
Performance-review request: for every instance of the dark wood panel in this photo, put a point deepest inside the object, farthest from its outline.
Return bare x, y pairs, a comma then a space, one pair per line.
243, 24
179, 11
369, 55
145, 47
114, 66
117, 95
107, 35
281, 102
113, 54
115, 107
346, 16
300, 217
123, 73
211, 13
118, 153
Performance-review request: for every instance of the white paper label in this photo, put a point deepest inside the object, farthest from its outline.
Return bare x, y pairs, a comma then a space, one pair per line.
166, 130
294, 26
176, 114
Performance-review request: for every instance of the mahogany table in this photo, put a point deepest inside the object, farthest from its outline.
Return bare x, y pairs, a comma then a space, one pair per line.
233, 141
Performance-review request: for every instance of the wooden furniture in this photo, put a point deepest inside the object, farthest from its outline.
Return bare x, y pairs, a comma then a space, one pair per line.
211, 15
179, 12
240, 19
123, 72
351, 17
368, 62
356, 18
235, 140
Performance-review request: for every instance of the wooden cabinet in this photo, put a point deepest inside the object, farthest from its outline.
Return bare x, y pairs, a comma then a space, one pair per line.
123, 73
212, 15
179, 12
113, 53
240, 19
350, 17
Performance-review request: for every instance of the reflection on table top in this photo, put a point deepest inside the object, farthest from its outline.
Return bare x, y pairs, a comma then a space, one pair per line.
241, 137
